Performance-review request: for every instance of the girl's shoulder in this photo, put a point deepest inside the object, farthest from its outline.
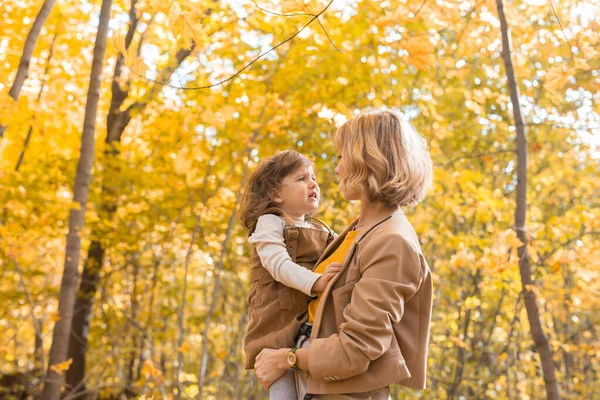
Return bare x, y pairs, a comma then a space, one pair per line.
269, 222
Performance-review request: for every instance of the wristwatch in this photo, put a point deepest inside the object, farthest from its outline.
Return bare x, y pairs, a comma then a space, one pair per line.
292, 359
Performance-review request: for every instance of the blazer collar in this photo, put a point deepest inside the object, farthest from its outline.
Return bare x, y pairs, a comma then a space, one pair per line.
365, 229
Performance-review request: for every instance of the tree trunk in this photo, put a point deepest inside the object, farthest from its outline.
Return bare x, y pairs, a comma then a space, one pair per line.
117, 121
540, 339
39, 96
30, 42
68, 290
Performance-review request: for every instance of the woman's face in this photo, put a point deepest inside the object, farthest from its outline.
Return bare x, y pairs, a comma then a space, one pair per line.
349, 193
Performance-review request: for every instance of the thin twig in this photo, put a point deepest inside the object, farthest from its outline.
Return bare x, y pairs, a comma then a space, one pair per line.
419, 10
561, 27
477, 155
328, 37
245, 67
279, 14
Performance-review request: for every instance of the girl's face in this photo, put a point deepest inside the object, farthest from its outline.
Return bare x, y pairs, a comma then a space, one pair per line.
298, 194
349, 193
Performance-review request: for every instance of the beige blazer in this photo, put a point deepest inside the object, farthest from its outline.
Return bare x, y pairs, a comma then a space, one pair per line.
371, 328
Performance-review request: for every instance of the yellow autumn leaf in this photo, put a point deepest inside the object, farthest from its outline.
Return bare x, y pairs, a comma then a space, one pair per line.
139, 66
182, 28
588, 51
7, 107
388, 19
148, 369
54, 316
119, 43
175, 20
192, 391
120, 46
184, 347
557, 77
61, 367
227, 112
581, 64
198, 35
296, 6
420, 53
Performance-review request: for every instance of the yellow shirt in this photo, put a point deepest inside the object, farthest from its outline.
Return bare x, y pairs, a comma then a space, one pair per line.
336, 256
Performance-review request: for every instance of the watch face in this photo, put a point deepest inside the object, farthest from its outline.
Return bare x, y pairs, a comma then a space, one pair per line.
291, 359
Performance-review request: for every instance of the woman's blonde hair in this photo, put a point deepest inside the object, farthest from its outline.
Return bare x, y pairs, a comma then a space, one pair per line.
264, 181
386, 156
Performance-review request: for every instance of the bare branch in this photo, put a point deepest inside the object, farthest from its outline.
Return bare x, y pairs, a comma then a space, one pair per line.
246, 66
561, 27
281, 15
328, 37
477, 155
420, 8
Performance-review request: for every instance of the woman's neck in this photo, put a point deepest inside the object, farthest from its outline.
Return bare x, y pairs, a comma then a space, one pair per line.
371, 212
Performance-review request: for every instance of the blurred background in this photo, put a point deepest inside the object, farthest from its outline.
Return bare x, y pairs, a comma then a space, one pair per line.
186, 109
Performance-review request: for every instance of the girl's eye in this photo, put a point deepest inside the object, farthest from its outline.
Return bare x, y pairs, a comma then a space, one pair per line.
339, 157
301, 179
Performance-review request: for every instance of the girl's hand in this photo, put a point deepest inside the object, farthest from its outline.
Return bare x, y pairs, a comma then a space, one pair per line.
270, 365
331, 270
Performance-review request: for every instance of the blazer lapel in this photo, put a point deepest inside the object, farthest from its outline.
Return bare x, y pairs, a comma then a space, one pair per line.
346, 262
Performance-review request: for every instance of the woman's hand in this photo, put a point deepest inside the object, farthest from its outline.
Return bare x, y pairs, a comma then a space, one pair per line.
321, 283
270, 365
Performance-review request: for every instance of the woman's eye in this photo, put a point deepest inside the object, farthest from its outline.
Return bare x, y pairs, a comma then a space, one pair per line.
339, 157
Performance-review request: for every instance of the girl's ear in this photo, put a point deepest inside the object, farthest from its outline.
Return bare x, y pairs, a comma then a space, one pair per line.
276, 198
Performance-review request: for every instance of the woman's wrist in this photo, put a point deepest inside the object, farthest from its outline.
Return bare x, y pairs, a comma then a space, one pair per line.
282, 359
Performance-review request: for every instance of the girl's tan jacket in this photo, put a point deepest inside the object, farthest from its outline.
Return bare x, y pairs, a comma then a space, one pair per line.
371, 328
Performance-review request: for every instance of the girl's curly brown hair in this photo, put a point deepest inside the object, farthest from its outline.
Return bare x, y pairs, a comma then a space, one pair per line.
264, 181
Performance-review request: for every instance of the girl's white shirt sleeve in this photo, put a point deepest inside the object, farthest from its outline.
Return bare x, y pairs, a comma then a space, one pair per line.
270, 246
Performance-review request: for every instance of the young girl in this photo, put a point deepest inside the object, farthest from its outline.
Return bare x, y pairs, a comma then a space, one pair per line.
286, 243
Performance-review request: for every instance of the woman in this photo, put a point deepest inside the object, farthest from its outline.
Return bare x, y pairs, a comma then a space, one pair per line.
370, 327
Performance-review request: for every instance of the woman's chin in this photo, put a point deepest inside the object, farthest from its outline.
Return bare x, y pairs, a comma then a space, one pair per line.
352, 196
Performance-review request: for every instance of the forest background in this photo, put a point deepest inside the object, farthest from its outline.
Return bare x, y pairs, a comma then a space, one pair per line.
129, 130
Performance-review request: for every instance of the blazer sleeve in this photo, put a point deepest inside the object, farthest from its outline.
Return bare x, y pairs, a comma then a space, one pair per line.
391, 274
